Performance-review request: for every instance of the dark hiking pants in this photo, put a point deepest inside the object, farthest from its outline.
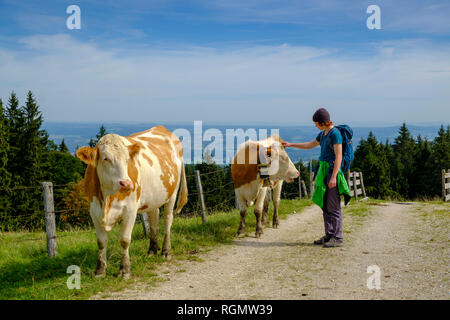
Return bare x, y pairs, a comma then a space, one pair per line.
332, 213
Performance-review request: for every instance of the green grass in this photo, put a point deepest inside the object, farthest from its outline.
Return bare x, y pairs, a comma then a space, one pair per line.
358, 209
27, 273
356, 213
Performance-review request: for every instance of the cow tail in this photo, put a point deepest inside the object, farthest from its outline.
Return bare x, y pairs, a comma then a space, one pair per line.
183, 194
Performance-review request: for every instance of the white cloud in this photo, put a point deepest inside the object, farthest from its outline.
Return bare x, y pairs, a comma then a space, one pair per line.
81, 81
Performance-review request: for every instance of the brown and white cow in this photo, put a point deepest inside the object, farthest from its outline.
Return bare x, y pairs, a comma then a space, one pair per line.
249, 187
130, 175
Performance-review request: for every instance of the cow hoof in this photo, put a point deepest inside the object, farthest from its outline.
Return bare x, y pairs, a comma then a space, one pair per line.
166, 254
240, 234
275, 225
152, 252
100, 272
124, 274
258, 234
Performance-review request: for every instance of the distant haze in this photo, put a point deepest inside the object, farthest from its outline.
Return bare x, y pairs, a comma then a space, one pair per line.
79, 134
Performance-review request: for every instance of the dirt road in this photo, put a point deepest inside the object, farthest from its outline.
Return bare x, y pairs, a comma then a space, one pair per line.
406, 242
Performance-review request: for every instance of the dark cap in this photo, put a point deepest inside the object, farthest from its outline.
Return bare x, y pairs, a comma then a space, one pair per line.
321, 116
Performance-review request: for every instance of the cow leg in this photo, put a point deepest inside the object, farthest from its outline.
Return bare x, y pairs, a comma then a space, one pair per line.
258, 211
242, 205
276, 203
154, 222
265, 213
125, 239
102, 242
168, 218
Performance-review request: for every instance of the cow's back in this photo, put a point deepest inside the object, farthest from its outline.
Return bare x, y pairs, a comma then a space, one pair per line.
159, 163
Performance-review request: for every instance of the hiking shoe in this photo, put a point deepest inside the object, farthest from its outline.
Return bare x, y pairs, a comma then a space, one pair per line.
333, 243
322, 240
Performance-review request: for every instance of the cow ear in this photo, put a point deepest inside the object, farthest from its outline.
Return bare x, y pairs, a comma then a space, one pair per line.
87, 155
272, 151
134, 149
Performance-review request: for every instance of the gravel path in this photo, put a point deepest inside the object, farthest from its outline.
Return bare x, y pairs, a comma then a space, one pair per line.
412, 256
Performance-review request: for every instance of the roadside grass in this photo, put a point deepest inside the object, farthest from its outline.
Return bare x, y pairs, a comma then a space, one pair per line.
435, 215
356, 212
27, 273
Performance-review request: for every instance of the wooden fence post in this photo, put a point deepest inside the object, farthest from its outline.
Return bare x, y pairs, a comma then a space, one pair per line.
447, 187
348, 181
305, 192
355, 189
299, 185
444, 190
198, 181
145, 225
50, 224
362, 185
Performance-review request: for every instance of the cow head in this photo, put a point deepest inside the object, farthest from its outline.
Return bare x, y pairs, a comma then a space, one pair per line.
280, 165
111, 158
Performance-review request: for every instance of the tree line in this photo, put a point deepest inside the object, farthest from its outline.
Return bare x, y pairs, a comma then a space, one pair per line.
409, 168
27, 158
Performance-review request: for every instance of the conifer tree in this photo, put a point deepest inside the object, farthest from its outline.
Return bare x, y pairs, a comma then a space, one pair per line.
420, 182
372, 160
101, 133
5, 176
15, 125
404, 149
439, 159
52, 146
63, 147
36, 140
28, 159
92, 143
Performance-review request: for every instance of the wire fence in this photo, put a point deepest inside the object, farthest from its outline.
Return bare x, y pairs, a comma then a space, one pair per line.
219, 197
208, 173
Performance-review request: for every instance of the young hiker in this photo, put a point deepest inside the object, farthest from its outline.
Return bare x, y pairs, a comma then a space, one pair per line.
330, 181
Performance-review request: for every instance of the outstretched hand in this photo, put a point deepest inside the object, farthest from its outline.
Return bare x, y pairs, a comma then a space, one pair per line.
286, 144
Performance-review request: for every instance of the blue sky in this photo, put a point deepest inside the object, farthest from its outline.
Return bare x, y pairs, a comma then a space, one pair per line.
229, 61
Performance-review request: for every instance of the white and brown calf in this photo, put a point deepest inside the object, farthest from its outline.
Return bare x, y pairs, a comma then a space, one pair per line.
130, 175
248, 185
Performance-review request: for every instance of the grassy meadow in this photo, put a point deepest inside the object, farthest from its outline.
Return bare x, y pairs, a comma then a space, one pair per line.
26, 272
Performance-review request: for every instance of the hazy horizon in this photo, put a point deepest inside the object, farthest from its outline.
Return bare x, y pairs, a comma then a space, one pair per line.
258, 123
77, 134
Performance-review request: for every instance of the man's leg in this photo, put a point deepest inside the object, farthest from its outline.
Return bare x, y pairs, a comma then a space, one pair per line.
333, 217
326, 222
326, 218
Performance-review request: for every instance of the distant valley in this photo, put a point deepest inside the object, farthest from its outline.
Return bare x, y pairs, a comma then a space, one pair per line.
78, 134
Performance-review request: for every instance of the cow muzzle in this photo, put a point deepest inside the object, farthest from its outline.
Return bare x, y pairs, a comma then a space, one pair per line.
291, 178
125, 185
